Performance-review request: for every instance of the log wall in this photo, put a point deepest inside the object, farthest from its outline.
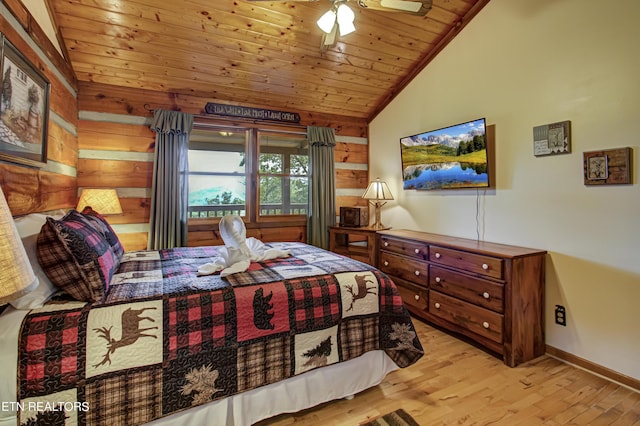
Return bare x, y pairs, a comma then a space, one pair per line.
116, 151
99, 136
53, 186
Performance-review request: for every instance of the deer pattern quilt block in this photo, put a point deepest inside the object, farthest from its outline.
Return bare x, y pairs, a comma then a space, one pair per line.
159, 346
359, 293
124, 336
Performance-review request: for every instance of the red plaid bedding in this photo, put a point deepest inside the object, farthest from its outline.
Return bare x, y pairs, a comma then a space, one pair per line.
166, 340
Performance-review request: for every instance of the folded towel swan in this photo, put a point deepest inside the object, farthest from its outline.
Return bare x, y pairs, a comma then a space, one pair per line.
238, 251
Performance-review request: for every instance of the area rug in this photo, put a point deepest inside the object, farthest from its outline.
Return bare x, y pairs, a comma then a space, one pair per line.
396, 418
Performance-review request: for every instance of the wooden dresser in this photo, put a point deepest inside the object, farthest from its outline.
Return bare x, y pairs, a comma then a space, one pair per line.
491, 293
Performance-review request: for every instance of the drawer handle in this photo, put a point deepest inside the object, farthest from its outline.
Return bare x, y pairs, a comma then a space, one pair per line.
417, 297
386, 263
437, 255
438, 279
417, 273
386, 243
485, 295
417, 251
437, 305
485, 266
485, 324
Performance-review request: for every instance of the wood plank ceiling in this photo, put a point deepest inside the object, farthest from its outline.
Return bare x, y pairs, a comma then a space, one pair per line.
264, 54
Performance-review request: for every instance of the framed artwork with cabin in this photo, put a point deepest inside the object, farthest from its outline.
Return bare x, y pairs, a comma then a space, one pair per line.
24, 108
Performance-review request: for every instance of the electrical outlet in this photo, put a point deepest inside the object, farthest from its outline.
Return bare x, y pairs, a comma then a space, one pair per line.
561, 315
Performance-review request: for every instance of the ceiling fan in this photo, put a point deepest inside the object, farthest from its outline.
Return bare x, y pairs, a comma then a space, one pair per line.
414, 7
339, 19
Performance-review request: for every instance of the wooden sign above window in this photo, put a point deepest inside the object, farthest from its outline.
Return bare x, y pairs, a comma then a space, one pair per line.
251, 113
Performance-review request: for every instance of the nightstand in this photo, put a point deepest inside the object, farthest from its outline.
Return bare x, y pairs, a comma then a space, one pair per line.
356, 243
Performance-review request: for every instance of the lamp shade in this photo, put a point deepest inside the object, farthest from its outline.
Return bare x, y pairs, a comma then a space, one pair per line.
377, 193
346, 28
345, 18
103, 201
327, 21
16, 275
377, 190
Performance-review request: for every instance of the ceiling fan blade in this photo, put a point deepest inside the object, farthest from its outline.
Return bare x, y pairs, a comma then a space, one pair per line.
408, 6
417, 7
329, 40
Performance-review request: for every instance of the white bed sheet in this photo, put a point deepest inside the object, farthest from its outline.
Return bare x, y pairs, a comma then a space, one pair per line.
10, 322
294, 394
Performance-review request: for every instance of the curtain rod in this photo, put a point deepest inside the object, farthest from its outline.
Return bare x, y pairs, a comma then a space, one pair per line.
200, 125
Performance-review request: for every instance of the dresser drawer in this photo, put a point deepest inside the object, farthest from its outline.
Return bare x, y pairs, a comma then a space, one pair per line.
475, 290
412, 295
409, 269
405, 247
471, 317
471, 262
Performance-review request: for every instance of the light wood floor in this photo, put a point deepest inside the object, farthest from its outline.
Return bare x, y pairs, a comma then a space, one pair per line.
458, 384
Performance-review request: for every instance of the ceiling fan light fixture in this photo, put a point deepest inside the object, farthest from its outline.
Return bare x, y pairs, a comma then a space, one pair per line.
345, 15
346, 28
327, 21
345, 18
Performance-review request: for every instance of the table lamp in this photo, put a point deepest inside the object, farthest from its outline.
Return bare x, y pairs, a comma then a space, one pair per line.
102, 201
16, 275
377, 193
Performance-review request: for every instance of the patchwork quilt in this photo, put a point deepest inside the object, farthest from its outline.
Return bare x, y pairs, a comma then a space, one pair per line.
166, 340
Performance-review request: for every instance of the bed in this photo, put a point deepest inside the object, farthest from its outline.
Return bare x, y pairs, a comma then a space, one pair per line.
160, 344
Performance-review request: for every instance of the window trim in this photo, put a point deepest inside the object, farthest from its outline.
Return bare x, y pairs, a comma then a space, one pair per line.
286, 173
252, 148
238, 129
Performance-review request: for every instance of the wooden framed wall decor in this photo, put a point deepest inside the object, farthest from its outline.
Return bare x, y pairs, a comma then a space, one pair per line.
607, 167
24, 109
551, 139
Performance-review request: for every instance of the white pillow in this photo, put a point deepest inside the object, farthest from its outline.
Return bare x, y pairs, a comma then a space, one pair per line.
28, 228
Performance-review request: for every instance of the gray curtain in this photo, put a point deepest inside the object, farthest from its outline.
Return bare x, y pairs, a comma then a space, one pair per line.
322, 189
170, 190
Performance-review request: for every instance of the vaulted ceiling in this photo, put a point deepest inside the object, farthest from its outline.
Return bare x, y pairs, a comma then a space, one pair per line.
255, 53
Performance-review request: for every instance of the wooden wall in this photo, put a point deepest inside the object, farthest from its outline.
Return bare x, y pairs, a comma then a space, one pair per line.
31, 189
99, 136
116, 151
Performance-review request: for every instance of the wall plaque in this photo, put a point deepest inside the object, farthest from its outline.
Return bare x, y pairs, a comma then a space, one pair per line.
607, 167
550, 139
251, 113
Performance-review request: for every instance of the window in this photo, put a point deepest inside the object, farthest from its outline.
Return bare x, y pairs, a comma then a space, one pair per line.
283, 174
21, 75
217, 172
255, 173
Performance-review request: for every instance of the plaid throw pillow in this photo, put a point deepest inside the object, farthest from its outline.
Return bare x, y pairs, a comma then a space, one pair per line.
101, 225
77, 258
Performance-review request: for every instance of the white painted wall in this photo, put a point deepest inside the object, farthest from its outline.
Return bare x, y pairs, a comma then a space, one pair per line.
520, 64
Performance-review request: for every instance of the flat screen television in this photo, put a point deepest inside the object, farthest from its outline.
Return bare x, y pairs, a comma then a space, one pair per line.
453, 157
